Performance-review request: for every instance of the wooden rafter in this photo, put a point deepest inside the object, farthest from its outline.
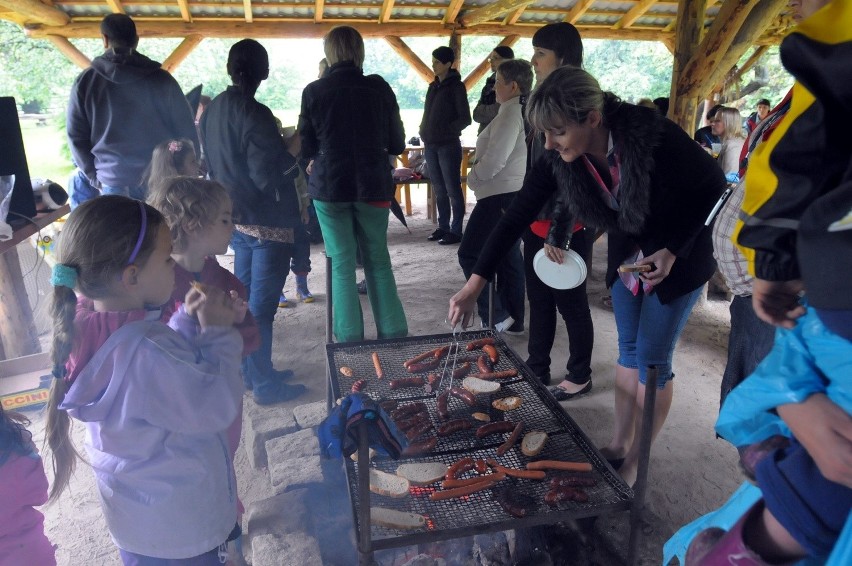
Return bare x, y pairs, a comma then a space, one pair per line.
490, 11
247, 11
385, 12
759, 51
634, 14
115, 6
181, 52
410, 57
184, 10
473, 77
37, 11
690, 21
319, 8
512, 19
70, 51
578, 10
453, 11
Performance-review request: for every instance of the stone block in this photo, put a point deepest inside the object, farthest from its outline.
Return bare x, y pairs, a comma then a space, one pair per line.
262, 424
299, 443
284, 513
277, 550
311, 414
294, 472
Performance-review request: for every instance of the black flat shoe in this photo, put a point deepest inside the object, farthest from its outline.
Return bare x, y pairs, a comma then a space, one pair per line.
436, 235
561, 395
615, 463
449, 239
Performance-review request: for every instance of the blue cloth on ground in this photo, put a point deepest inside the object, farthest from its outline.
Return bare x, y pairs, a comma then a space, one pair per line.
338, 432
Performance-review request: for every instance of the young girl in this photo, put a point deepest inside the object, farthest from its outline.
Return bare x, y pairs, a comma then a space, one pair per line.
23, 486
156, 399
170, 159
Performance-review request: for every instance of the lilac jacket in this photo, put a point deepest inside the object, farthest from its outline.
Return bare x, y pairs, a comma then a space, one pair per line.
156, 402
23, 486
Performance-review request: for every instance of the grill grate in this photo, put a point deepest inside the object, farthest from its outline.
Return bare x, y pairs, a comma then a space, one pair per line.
480, 511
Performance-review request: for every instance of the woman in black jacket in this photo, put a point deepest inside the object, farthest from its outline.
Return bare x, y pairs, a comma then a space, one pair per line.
350, 125
246, 154
627, 170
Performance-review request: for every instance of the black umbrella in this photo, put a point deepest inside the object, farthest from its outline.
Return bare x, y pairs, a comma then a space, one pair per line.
397, 211
194, 99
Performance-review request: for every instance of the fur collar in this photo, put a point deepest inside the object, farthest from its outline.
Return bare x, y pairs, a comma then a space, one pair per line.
636, 133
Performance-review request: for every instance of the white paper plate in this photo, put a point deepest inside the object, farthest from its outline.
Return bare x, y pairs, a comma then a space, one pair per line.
567, 275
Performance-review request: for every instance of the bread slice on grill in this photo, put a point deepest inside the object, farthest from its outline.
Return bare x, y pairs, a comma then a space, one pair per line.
507, 403
396, 519
422, 473
533, 442
480, 386
387, 484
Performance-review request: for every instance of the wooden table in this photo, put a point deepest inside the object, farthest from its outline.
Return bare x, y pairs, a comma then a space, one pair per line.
17, 331
467, 154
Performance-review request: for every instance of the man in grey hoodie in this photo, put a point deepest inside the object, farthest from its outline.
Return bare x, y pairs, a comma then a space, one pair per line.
120, 108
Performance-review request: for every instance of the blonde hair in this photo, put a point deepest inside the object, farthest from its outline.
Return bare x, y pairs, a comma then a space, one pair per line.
96, 243
344, 43
566, 96
167, 160
188, 204
733, 122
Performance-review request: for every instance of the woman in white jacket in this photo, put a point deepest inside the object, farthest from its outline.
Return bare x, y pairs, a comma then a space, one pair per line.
497, 174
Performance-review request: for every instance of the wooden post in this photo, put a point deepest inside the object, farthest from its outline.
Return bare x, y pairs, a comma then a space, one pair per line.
410, 57
181, 52
456, 45
70, 51
690, 21
16, 331
482, 69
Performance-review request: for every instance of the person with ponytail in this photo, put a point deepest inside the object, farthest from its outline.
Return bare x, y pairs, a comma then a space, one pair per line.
23, 486
156, 399
246, 154
171, 158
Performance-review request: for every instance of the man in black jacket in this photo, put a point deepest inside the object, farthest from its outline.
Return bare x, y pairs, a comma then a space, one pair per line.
445, 114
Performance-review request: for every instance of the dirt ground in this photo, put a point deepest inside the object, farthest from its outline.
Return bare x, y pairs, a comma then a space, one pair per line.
691, 471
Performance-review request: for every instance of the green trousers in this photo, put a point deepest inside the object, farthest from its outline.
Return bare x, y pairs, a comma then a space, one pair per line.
345, 226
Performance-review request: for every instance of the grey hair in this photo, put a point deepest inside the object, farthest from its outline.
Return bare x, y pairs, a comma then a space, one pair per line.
519, 71
566, 96
344, 43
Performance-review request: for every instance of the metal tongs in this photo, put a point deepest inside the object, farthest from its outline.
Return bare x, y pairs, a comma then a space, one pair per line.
451, 353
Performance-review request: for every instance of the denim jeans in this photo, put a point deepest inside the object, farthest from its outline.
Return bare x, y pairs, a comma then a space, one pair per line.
262, 266
139, 193
573, 307
509, 295
648, 330
345, 226
80, 189
444, 163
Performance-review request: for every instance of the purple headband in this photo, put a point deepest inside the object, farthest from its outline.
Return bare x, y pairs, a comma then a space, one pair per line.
142, 231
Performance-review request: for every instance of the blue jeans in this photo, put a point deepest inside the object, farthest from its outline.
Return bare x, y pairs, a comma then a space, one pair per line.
262, 266
509, 295
648, 330
444, 163
139, 193
80, 189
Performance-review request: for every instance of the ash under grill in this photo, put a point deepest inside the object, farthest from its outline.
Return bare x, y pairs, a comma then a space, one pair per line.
478, 512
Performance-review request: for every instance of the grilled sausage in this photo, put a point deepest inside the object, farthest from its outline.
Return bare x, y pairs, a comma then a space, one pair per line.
464, 396
454, 426
476, 344
483, 364
404, 382
512, 440
377, 365
439, 353
389, 404
494, 428
492, 352
560, 494
424, 366
412, 421
560, 465
419, 448
514, 503
358, 385
487, 481
497, 374
419, 358
442, 405
459, 467
573, 480
514, 472
418, 430
481, 466
408, 410
461, 371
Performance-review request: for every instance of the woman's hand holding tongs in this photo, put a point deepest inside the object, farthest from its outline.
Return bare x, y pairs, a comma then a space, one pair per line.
463, 303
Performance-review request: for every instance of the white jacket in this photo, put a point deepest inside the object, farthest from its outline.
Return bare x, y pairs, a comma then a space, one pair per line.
501, 154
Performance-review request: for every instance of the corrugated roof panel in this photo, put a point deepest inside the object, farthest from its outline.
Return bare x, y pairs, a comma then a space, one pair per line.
355, 11
152, 10
596, 20
653, 21
221, 10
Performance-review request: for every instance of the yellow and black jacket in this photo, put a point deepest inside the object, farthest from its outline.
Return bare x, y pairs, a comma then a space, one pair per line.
796, 219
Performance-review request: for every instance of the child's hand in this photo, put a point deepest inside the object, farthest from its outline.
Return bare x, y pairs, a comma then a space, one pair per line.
211, 306
240, 307
825, 430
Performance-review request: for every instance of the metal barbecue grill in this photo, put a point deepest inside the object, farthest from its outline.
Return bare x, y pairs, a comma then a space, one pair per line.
478, 512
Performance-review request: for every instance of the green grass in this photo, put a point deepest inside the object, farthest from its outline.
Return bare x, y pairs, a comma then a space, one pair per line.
43, 145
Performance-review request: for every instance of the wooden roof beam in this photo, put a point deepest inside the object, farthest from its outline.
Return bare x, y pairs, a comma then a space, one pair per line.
115, 6
452, 11
37, 11
578, 10
184, 10
759, 51
482, 69
385, 12
690, 21
513, 18
319, 8
410, 57
634, 14
70, 51
181, 52
491, 11
249, 15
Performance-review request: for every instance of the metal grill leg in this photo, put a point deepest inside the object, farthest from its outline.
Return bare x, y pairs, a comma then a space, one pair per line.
329, 334
365, 545
639, 488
